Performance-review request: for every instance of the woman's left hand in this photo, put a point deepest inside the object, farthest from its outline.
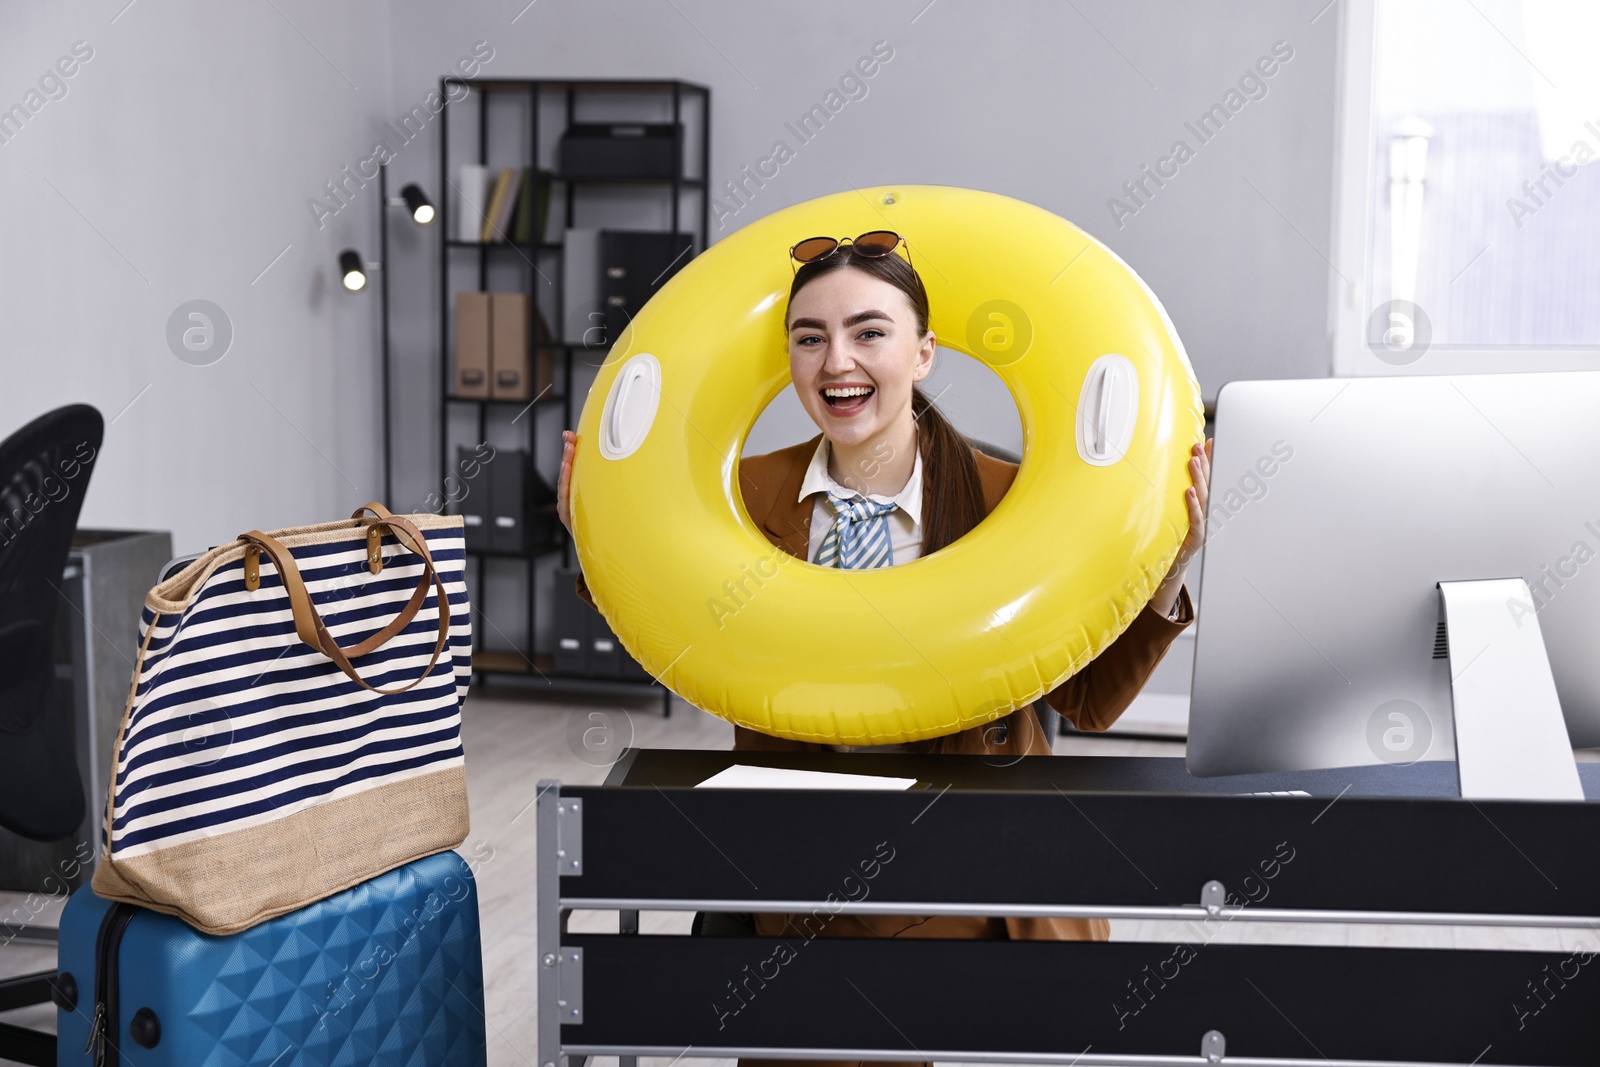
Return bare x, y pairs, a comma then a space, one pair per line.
1197, 497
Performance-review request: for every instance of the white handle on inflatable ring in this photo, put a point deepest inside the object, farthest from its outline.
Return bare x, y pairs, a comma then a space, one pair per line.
1108, 409
630, 408
1103, 416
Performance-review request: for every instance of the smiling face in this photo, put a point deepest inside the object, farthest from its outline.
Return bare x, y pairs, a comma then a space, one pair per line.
854, 353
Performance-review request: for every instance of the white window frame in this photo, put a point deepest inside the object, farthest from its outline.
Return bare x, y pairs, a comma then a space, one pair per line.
1352, 213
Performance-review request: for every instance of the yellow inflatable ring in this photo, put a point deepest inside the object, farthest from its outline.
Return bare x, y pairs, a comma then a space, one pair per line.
1055, 573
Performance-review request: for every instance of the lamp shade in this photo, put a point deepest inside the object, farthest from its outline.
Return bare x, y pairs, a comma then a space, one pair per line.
418, 204
352, 271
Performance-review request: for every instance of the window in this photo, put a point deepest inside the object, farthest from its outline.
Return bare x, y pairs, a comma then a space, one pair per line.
1469, 197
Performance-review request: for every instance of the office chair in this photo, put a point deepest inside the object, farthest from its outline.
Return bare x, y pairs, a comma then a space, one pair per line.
44, 472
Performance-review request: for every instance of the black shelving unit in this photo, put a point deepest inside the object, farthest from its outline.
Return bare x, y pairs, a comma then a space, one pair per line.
565, 193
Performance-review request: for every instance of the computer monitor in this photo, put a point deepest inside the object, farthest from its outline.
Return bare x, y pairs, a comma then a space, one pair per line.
1337, 506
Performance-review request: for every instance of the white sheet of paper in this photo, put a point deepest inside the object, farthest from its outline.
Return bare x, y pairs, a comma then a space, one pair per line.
743, 776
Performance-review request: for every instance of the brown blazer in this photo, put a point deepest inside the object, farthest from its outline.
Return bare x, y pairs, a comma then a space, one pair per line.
1091, 700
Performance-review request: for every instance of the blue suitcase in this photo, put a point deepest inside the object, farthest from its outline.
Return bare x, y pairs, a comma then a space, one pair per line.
388, 972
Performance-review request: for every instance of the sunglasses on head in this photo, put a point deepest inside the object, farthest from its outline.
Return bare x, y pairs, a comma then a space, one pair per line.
872, 244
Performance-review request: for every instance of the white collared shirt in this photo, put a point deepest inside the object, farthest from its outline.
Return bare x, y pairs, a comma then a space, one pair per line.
905, 522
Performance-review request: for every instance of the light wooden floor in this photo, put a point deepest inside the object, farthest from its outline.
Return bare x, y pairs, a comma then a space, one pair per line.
513, 741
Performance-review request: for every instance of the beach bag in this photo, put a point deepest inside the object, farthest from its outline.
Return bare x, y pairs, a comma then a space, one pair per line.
294, 723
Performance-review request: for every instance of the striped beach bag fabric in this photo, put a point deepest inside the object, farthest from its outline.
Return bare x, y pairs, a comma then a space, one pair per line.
294, 723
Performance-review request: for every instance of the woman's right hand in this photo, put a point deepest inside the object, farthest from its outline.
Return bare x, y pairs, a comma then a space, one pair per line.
569, 447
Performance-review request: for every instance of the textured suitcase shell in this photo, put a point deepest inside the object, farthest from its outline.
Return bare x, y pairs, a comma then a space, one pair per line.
388, 972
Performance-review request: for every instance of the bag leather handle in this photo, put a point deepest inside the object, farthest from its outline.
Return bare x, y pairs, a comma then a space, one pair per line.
308, 622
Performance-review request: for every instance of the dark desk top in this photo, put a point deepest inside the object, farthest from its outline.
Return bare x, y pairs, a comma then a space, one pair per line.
683, 768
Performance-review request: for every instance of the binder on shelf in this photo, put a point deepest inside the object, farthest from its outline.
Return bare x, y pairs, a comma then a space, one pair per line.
471, 202
632, 669
509, 349
506, 506
585, 645
543, 521
621, 150
508, 501
570, 622
633, 265
607, 657
472, 345
544, 356
474, 506
580, 281
603, 654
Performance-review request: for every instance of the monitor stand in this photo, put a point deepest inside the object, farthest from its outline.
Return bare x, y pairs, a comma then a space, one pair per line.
1511, 739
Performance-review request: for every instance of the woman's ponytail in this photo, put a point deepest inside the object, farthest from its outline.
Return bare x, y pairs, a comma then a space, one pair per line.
952, 495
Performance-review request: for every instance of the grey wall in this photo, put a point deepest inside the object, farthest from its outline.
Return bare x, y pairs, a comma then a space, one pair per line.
184, 153
1051, 102
177, 166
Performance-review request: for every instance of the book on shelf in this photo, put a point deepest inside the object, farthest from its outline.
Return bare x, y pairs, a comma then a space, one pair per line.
501, 201
508, 208
472, 204
494, 193
511, 204
533, 206
521, 227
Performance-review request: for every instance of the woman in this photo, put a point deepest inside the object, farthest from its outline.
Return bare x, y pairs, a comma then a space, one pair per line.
889, 479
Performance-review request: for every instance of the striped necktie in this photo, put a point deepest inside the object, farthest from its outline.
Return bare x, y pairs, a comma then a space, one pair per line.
859, 537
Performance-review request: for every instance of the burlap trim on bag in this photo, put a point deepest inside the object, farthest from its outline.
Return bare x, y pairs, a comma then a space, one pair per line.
235, 880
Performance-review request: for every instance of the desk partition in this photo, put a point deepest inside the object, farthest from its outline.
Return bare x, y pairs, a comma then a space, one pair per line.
1057, 836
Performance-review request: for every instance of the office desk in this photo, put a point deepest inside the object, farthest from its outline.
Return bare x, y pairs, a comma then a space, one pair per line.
1063, 836
683, 768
